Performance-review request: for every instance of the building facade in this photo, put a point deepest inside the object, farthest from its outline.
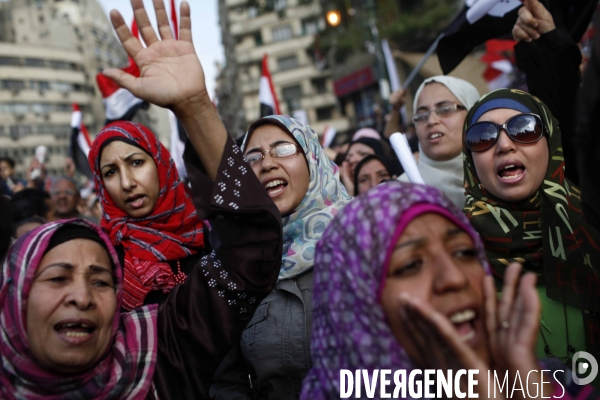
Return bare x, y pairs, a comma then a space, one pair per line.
287, 35
50, 53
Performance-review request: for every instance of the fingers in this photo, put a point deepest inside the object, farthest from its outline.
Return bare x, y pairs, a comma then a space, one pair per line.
122, 78
537, 9
185, 22
527, 309
519, 34
527, 19
511, 277
131, 45
440, 325
143, 22
162, 20
489, 291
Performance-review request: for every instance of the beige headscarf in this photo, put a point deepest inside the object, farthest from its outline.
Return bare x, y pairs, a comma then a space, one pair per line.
448, 176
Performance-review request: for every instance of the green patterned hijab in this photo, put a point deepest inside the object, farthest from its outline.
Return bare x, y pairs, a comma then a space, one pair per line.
547, 233
326, 195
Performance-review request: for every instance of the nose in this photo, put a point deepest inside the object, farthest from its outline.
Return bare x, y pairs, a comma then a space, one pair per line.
80, 295
433, 118
449, 276
268, 163
127, 181
504, 144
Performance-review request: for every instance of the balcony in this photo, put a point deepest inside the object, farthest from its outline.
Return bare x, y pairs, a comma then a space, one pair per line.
274, 49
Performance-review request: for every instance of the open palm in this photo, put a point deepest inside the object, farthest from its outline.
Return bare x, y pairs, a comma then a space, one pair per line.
170, 73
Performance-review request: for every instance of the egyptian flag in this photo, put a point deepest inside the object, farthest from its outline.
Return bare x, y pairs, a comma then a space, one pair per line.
328, 136
500, 60
120, 103
266, 93
80, 143
481, 20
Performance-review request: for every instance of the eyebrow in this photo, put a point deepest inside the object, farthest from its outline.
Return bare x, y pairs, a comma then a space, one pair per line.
276, 143
419, 242
126, 158
436, 105
96, 269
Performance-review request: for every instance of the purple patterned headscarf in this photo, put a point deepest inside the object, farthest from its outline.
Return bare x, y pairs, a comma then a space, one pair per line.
350, 330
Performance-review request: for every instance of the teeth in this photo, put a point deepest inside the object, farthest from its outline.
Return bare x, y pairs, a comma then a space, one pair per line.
435, 136
468, 336
462, 316
76, 334
510, 177
274, 183
509, 166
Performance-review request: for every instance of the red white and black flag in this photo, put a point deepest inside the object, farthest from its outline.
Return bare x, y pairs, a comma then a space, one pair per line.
120, 104
481, 20
80, 143
266, 92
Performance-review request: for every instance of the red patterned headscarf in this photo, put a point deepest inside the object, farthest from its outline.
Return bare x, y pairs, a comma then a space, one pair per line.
172, 231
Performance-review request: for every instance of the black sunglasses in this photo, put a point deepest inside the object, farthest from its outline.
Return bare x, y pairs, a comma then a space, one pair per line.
522, 128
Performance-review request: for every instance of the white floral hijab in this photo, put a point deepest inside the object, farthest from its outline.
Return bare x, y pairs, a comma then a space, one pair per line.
325, 196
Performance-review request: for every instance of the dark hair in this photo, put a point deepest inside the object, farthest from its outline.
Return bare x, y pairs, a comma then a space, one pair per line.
383, 160
9, 161
30, 203
6, 220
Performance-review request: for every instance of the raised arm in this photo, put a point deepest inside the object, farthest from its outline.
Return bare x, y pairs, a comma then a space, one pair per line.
171, 76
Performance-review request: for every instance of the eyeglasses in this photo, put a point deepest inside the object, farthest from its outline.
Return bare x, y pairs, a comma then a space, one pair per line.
280, 151
522, 128
442, 111
65, 192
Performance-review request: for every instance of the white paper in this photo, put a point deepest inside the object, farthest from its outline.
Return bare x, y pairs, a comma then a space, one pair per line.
400, 145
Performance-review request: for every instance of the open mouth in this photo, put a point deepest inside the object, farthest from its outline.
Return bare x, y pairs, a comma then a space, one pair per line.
275, 187
511, 171
464, 322
136, 200
75, 329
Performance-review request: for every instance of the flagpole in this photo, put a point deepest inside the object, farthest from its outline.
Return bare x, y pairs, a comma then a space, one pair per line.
416, 69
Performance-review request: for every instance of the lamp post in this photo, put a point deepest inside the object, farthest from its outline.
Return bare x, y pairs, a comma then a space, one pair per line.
384, 86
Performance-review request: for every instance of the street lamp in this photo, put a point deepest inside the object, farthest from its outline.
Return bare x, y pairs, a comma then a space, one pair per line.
334, 18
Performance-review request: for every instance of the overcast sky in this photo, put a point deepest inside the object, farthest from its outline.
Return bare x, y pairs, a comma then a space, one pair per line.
205, 30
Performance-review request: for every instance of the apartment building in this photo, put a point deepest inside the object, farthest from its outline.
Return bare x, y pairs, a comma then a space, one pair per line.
287, 35
50, 53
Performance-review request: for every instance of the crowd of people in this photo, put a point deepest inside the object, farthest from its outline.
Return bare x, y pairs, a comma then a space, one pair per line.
281, 263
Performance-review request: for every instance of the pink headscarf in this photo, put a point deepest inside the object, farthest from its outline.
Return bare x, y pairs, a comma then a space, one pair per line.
124, 372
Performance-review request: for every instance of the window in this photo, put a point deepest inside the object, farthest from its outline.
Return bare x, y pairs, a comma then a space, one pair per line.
10, 61
13, 84
287, 63
252, 12
60, 65
292, 96
282, 33
280, 5
310, 26
43, 85
324, 113
320, 85
258, 39
35, 62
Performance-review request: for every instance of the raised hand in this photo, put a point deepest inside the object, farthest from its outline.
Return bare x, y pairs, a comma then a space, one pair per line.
512, 323
534, 20
170, 73
397, 99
